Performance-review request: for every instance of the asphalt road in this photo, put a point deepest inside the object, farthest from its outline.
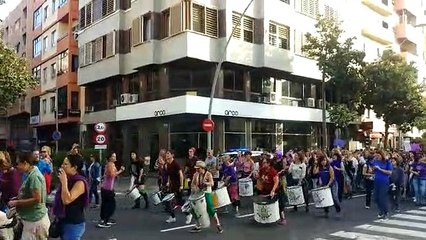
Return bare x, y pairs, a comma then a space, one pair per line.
355, 223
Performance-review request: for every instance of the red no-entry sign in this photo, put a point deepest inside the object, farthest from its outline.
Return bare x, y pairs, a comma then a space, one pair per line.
208, 125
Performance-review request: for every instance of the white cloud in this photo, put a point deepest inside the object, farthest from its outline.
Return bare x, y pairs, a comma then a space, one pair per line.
6, 8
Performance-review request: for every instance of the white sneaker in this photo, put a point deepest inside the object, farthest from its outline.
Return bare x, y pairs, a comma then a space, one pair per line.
170, 220
188, 219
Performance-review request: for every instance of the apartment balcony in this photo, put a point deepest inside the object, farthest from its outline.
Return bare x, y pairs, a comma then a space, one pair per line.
380, 6
381, 35
407, 33
411, 6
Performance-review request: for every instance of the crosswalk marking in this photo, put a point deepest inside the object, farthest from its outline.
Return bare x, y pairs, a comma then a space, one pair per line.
419, 212
422, 208
402, 223
358, 236
398, 231
410, 217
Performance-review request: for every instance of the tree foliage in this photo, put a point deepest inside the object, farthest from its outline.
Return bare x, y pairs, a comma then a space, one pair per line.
2, 2
392, 91
341, 115
340, 63
15, 76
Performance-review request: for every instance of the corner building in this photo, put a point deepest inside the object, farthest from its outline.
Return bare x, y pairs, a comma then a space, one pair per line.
147, 68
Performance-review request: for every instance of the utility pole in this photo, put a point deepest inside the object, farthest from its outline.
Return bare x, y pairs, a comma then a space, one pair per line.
324, 116
216, 75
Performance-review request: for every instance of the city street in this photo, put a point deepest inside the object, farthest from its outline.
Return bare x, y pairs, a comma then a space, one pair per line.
356, 223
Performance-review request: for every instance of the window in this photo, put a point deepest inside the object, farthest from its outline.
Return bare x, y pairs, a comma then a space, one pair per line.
62, 3
37, 18
44, 75
279, 36
43, 106
45, 44
299, 41
204, 20
88, 53
53, 39
37, 72
52, 104
136, 31
36, 47
63, 62
88, 14
107, 7
74, 100
17, 24
53, 70
146, 28
46, 12
98, 48
310, 8
109, 45
244, 29
35, 106
172, 19
53, 6
167, 23
290, 89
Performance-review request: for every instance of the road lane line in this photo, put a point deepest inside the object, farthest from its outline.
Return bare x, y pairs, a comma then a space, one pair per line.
409, 217
177, 228
357, 236
397, 231
419, 212
402, 223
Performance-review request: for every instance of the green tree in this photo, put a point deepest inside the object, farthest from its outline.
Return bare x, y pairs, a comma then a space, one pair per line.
392, 91
338, 61
15, 76
2, 2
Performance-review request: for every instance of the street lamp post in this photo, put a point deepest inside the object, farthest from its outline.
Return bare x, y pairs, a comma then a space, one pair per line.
324, 116
217, 72
56, 120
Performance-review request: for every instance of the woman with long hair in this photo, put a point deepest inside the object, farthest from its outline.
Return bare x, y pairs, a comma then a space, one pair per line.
297, 170
326, 179
10, 180
31, 202
107, 192
71, 199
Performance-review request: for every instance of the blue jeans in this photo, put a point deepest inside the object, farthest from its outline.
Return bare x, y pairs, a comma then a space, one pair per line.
416, 187
422, 191
73, 231
381, 194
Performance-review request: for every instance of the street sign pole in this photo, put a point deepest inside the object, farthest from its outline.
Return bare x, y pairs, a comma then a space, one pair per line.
216, 76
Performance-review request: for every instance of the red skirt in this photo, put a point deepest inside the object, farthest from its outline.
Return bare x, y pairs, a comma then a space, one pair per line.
233, 192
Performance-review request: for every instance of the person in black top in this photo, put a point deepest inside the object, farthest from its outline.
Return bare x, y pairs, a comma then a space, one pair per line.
138, 176
72, 197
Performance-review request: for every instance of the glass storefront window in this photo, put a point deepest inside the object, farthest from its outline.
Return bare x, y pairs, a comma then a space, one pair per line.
234, 140
235, 125
263, 126
297, 127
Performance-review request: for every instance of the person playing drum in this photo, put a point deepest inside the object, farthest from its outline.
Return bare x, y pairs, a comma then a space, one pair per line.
268, 184
203, 181
326, 179
231, 181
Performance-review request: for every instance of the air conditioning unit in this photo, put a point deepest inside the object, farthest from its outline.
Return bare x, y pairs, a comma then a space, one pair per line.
310, 102
125, 98
295, 103
134, 98
89, 109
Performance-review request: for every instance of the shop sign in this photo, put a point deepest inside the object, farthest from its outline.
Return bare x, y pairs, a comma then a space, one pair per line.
159, 113
231, 113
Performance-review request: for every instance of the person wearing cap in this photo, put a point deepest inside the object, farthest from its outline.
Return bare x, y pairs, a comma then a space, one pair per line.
203, 181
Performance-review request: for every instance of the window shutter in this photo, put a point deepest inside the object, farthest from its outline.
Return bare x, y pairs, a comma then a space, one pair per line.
81, 59
176, 19
283, 35
212, 22
236, 24
88, 50
198, 18
272, 34
109, 49
110, 6
93, 51
82, 17
88, 14
136, 31
98, 48
104, 8
248, 25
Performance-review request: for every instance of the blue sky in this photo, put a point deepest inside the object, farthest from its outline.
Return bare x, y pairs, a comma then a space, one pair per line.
7, 7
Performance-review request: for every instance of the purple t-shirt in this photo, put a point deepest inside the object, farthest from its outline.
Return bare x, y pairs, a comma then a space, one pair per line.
229, 171
420, 168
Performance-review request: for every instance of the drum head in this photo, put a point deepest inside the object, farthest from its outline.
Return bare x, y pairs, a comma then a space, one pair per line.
264, 200
196, 196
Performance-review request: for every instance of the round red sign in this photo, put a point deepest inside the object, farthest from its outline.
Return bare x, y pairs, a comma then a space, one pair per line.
208, 125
